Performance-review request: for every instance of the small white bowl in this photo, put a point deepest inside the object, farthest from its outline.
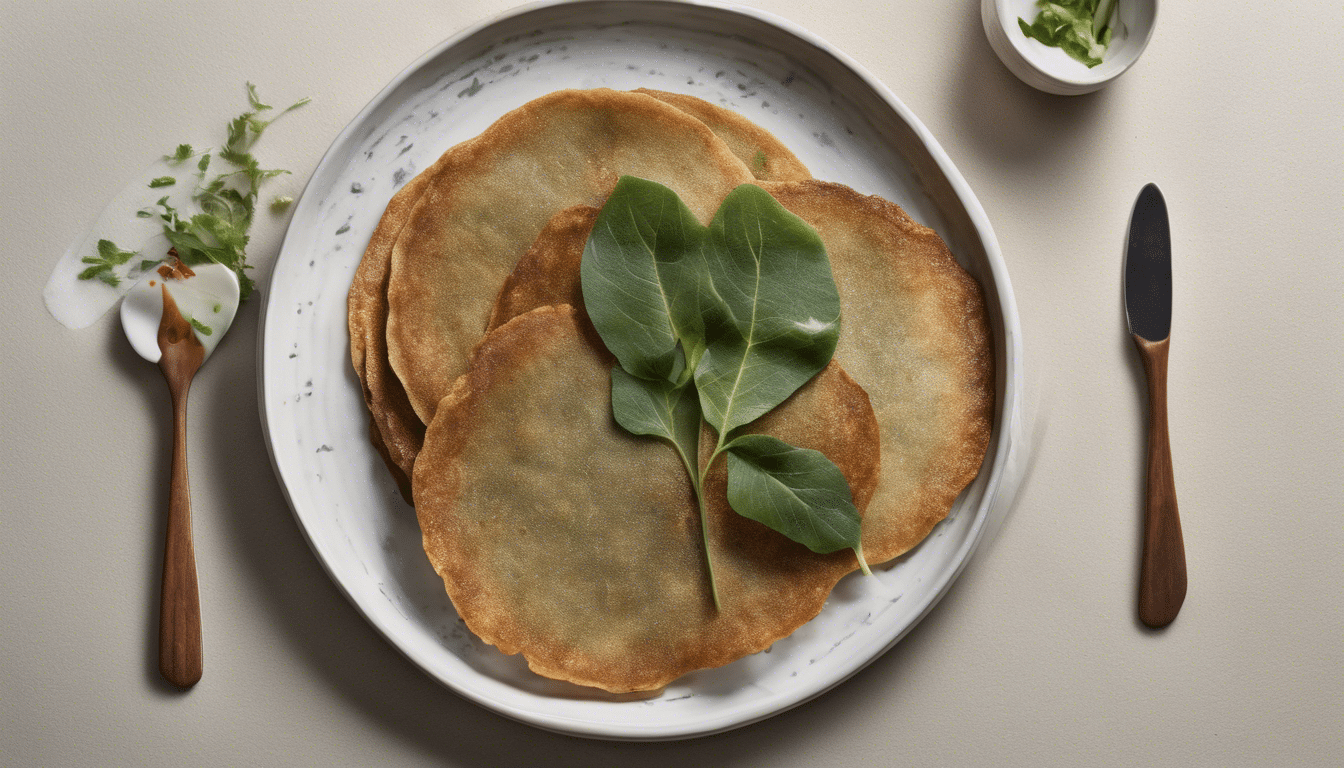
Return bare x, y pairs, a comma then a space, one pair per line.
1050, 69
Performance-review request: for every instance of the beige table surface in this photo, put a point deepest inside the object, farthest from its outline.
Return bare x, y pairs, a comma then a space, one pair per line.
1035, 656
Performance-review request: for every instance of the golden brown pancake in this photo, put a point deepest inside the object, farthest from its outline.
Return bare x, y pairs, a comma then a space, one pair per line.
562, 537
489, 198
913, 334
765, 155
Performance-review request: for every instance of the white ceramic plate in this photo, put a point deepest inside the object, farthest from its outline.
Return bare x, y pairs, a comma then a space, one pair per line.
843, 123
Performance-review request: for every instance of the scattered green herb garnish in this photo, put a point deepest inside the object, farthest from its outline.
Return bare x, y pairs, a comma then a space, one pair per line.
227, 203
202, 327
109, 256
1081, 28
721, 324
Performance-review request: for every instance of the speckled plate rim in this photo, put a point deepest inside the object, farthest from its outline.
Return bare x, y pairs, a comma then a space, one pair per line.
1006, 446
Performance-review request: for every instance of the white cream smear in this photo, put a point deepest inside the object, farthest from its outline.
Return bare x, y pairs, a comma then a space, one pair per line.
78, 303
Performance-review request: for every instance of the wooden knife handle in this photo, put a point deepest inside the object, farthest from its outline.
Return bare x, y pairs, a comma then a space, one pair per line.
180, 607
1162, 573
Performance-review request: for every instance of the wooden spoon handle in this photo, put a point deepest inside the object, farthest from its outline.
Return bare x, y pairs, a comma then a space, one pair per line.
180, 608
1162, 573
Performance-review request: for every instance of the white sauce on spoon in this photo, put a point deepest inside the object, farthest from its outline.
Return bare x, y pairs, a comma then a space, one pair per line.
209, 298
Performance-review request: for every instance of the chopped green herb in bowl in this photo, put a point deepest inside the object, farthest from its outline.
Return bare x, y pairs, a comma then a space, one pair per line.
1068, 47
1081, 28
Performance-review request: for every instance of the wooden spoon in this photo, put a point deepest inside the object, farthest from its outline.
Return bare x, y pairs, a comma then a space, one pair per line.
162, 331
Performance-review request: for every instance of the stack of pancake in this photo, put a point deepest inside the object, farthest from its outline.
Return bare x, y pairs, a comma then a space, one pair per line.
559, 535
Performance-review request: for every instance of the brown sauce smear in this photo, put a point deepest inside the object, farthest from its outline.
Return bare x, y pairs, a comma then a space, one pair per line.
174, 268
173, 327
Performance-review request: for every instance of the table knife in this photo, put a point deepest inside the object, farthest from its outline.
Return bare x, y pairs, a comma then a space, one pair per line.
1148, 309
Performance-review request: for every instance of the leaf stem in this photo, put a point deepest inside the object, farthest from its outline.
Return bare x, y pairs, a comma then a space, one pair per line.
863, 564
699, 483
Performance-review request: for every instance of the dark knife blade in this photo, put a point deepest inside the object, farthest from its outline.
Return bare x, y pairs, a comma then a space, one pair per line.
1148, 267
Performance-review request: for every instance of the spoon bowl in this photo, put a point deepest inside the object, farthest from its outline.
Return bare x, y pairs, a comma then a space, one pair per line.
210, 297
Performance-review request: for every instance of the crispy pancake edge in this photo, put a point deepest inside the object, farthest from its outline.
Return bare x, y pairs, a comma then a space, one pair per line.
764, 155
394, 429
